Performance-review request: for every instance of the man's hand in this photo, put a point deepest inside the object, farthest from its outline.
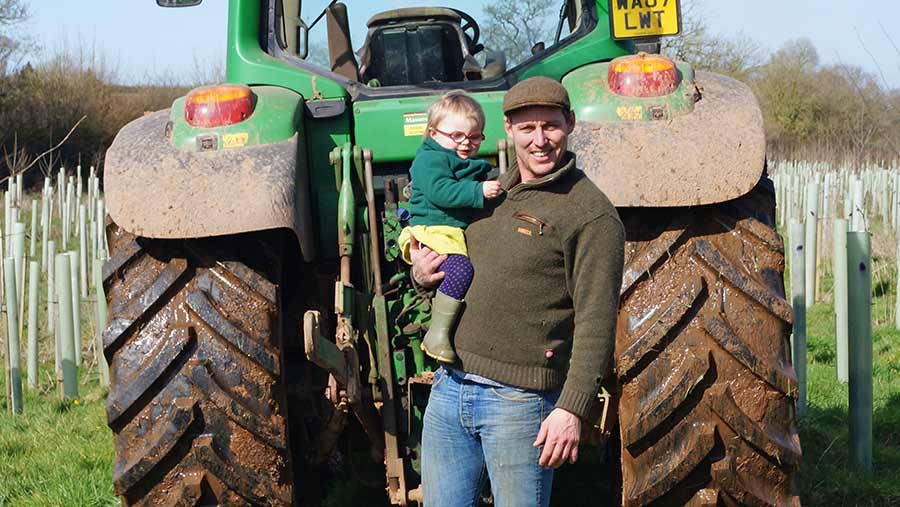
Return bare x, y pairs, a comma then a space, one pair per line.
560, 433
491, 189
425, 264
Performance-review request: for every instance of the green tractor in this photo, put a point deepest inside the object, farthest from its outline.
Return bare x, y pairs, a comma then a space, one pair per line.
264, 331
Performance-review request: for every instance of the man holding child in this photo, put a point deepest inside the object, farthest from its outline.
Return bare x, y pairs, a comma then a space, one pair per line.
538, 327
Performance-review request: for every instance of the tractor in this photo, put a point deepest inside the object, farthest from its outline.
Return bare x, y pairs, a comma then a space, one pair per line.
264, 331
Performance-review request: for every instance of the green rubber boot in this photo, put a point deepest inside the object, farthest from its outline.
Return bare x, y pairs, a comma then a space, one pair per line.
444, 311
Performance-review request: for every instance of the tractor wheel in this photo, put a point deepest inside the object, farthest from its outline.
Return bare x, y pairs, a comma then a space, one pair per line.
706, 385
194, 344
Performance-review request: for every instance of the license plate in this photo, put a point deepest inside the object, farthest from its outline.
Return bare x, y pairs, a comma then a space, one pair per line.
635, 19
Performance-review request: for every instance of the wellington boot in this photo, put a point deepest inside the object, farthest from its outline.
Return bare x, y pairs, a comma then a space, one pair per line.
444, 311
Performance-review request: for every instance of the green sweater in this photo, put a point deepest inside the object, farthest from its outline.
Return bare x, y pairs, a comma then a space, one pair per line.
445, 188
541, 312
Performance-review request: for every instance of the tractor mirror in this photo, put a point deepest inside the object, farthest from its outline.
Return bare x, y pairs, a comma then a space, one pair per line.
178, 3
302, 39
494, 64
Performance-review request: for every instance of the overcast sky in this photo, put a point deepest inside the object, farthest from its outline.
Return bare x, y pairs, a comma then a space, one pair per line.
141, 39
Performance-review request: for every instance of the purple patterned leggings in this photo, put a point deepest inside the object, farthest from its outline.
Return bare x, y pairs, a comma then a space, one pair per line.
458, 274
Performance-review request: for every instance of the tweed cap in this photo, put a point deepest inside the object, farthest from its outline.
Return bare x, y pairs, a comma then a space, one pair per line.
536, 91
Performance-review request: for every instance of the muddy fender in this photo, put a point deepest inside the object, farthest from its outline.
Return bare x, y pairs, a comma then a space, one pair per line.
714, 154
155, 190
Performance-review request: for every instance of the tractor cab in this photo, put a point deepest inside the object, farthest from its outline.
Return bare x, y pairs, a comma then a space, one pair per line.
414, 46
420, 44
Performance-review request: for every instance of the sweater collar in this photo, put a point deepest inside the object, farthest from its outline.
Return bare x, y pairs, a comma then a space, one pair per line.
511, 181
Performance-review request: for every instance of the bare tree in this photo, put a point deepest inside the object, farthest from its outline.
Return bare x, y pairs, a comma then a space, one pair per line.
208, 69
737, 56
787, 89
850, 114
40, 103
12, 12
835, 112
514, 26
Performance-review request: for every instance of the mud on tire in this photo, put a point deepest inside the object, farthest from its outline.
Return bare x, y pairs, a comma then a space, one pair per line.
702, 359
196, 398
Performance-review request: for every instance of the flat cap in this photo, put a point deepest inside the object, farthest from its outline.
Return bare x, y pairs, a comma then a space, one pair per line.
536, 91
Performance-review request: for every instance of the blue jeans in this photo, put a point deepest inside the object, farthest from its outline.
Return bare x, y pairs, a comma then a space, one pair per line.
474, 431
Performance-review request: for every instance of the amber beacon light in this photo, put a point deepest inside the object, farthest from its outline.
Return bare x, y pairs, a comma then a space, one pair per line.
642, 75
218, 105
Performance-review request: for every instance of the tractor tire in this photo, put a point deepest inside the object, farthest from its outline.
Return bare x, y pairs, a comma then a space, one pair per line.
707, 389
194, 343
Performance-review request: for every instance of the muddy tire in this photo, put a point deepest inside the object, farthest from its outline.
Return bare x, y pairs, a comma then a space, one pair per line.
196, 399
706, 414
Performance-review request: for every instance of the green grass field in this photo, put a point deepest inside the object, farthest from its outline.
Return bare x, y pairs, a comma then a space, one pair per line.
824, 477
57, 453
60, 454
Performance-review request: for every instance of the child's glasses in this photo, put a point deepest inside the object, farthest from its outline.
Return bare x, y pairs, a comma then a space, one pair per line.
458, 137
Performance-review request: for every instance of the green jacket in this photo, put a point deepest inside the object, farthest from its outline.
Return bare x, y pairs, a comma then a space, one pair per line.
445, 188
541, 312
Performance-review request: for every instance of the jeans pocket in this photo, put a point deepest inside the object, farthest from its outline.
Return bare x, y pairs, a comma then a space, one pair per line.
438, 377
515, 395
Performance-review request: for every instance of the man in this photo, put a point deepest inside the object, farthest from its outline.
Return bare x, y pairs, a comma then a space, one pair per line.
538, 330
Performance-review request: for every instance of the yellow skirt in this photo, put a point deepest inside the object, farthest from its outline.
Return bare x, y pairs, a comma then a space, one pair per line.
443, 239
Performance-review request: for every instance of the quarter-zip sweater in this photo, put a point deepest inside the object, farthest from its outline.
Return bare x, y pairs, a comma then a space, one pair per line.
541, 312
445, 188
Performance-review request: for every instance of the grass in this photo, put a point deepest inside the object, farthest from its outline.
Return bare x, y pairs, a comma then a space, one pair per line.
57, 453
825, 478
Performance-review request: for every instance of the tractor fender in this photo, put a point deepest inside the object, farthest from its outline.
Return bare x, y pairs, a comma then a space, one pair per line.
155, 190
714, 154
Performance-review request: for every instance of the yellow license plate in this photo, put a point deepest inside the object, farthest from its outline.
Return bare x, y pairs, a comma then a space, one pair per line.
634, 19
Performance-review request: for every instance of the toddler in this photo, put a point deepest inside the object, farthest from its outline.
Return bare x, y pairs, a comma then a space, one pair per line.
447, 184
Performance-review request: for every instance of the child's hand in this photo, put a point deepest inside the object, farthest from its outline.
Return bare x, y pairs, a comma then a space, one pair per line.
491, 189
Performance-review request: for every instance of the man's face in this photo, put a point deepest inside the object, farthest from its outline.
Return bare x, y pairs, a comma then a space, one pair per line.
540, 135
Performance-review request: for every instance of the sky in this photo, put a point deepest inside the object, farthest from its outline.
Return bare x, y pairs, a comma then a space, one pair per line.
140, 39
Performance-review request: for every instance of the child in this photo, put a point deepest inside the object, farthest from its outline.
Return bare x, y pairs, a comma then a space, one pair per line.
447, 184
